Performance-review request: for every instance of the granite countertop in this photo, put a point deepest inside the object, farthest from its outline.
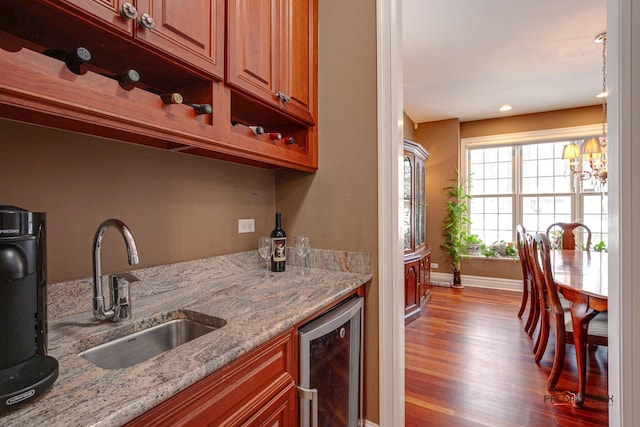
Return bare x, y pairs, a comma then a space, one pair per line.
230, 287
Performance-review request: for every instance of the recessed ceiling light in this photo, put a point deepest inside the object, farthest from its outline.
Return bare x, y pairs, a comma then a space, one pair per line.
505, 108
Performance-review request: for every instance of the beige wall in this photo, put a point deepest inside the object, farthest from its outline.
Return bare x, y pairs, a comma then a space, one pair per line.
408, 129
178, 206
532, 122
439, 139
337, 206
442, 139
182, 207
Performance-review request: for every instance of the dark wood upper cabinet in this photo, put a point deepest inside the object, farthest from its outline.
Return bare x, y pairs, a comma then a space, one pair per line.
104, 11
270, 49
298, 65
268, 79
189, 31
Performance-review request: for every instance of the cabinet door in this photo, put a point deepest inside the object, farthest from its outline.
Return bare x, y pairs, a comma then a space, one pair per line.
107, 12
425, 276
279, 412
298, 59
427, 271
411, 278
255, 389
270, 53
407, 208
420, 202
252, 46
192, 31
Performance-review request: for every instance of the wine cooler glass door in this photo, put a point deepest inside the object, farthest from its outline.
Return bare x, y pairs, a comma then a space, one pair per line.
330, 364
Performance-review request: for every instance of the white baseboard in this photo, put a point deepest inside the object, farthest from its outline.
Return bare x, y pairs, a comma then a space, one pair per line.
444, 279
368, 423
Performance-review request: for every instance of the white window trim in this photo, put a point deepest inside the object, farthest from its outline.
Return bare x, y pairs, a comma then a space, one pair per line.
521, 138
572, 132
568, 133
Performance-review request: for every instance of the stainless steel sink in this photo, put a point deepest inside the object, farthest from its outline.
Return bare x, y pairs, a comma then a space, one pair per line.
137, 347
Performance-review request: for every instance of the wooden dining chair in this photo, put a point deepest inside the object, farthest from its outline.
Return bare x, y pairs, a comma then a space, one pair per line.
541, 300
543, 304
568, 237
529, 294
558, 314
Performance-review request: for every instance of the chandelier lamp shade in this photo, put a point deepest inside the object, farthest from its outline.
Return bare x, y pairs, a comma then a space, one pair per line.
588, 158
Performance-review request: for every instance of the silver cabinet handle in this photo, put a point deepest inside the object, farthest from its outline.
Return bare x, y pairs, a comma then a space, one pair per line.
283, 96
128, 12
312, 395
146, 22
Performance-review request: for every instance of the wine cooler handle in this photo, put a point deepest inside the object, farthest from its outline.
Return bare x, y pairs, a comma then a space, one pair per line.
312, 395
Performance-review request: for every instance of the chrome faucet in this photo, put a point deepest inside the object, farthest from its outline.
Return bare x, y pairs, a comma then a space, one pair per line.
120, 308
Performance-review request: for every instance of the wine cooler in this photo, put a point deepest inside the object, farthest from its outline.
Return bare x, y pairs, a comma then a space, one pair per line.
330, 386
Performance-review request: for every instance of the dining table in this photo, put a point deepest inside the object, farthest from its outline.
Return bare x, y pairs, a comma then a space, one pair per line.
582, 278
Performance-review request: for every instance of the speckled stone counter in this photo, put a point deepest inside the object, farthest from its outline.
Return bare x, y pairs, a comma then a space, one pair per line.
230, 287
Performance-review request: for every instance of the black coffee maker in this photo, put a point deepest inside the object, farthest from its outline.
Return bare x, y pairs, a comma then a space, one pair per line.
25, 368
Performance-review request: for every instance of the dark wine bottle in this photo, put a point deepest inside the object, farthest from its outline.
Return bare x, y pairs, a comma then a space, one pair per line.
128, 79
76, 60
256, 130
171, 98
279, 241
200, 108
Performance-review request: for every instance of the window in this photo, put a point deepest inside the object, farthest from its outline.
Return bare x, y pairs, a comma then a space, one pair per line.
522, 179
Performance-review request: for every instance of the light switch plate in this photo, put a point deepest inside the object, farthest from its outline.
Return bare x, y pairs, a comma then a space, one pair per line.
246, 225
434, 265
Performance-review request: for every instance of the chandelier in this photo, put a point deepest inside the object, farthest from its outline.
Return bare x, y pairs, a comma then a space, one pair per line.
588, 158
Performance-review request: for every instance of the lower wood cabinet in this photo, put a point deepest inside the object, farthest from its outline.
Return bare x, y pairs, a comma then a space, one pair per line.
257, 389
411, 289
417, 281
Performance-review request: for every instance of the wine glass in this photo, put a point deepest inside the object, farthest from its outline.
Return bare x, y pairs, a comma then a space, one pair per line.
265, 248
303, 247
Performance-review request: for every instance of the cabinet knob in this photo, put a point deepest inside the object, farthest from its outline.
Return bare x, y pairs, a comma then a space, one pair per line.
128, 12
283, 96
146, 22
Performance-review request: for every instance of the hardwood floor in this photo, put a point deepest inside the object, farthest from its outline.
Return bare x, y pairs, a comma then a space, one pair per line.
468, 362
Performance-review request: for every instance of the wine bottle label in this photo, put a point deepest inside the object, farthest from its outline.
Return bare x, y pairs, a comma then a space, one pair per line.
279, 245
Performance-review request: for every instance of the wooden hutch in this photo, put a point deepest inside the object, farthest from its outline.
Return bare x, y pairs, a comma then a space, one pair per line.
417, 254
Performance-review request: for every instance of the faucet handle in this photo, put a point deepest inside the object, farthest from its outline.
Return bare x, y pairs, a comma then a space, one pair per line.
120, 296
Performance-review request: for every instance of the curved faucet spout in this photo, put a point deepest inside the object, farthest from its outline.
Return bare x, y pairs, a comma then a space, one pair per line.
99, 310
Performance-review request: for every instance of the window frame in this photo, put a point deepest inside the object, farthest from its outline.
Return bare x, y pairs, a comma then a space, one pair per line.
523, 138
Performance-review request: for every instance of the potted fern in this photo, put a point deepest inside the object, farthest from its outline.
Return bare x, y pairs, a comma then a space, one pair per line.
455, 227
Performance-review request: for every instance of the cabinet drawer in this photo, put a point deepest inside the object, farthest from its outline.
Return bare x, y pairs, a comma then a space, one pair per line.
252, 386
